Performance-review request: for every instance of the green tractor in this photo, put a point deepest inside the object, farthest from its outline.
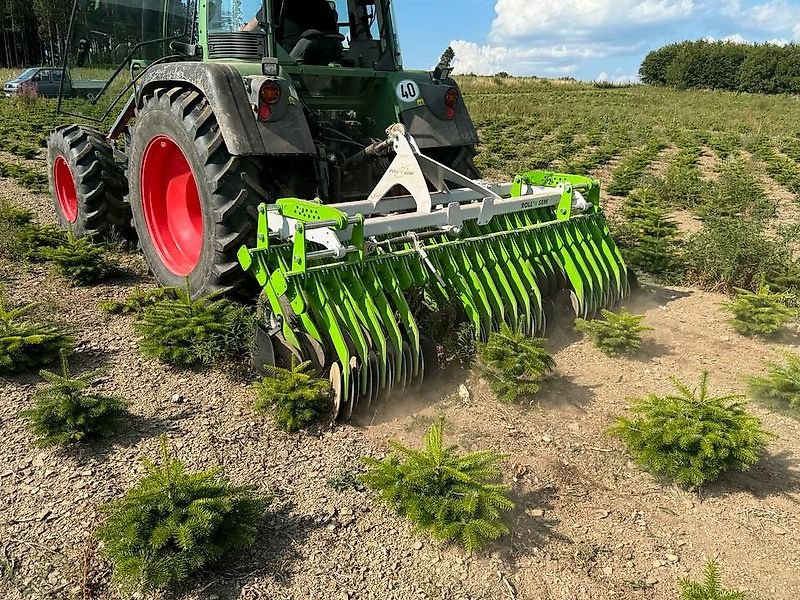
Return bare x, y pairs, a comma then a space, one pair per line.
281, 142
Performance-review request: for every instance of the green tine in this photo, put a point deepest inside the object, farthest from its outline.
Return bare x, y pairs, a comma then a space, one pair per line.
444, 265
355, 321
392, 277
482, 268
321, 305
595, 271
276, 287
375, 289
368, 314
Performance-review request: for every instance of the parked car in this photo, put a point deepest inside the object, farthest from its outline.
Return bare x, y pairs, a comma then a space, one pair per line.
47, 81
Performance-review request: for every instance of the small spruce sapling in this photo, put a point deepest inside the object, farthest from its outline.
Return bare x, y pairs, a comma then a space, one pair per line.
710, 588
184, 332
21, 237
691, 437
64, 412
137, 301
81, 261
514, 364
451, 496
26, 345
780, 385
295, 396
759, 313
648, 236
35, 240
615, 334
175, 522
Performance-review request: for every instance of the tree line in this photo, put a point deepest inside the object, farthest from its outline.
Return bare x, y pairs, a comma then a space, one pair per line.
755, 68
33, 32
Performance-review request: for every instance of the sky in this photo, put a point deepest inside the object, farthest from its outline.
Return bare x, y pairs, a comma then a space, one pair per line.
586, 39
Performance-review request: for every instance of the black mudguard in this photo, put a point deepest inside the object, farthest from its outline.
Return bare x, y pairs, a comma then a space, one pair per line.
224, 88
429, 126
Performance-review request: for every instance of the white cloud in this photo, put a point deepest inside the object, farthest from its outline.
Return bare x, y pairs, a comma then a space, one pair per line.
561, 37
617, 78
772, 16
521, 19
488, 59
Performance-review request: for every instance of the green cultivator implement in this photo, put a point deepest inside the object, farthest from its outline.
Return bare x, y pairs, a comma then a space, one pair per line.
339, 278
223, 105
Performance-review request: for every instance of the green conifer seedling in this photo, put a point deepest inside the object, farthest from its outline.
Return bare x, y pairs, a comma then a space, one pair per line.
14, 216
35, 240
514, 364
780, 385
184, 332
21, 237
649, 237
138, 300
759, 313
691, 436
614, 334
450, 496
295, 396
64, 412
710, 588
81, 261
26, 345
175, 522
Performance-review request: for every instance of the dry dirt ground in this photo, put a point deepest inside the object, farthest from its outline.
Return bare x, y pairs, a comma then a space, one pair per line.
588, 524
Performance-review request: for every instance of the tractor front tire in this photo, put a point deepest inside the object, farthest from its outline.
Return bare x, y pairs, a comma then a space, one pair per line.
87, 185
191, 207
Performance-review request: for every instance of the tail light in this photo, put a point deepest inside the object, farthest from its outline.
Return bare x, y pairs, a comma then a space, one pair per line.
450, 100
268, 95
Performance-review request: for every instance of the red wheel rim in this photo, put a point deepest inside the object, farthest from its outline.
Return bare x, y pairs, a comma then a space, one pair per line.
171, 206
66, 194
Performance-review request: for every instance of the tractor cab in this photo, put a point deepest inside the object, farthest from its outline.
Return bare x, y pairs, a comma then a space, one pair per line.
345, 33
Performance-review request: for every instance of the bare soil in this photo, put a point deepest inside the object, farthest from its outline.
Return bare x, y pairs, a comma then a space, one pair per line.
588, 524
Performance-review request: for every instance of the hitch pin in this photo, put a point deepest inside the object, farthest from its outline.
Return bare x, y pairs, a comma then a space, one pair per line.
423, 254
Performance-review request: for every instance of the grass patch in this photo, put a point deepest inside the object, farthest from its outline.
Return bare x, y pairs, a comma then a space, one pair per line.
734, 253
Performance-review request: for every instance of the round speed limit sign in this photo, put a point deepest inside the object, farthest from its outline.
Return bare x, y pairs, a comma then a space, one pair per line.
408, 91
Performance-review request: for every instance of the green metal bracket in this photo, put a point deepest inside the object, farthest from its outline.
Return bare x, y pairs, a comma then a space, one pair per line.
262, 231
564, 209
299, 262
311, 212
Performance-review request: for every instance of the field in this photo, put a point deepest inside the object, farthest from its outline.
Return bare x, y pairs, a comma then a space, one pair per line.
588, 524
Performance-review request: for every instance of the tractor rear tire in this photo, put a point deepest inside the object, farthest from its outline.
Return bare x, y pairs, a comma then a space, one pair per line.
87, 185
191, 207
